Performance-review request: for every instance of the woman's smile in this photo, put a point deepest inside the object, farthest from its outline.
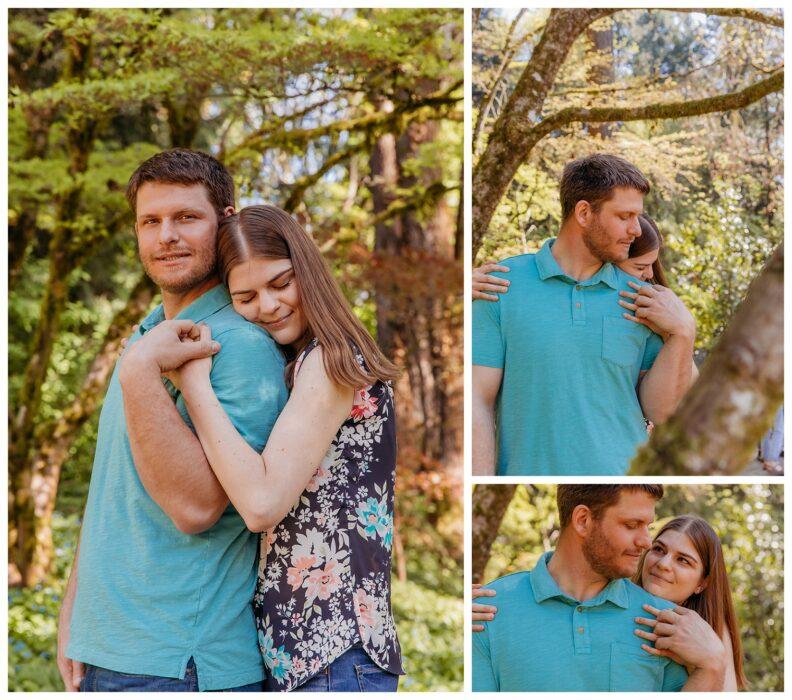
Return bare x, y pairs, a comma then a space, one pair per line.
278, 323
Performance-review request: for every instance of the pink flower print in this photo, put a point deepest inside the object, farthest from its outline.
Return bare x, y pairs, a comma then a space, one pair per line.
298, 665
316, 665
295, 575
323, 582
365, 606
365, 405
318, 478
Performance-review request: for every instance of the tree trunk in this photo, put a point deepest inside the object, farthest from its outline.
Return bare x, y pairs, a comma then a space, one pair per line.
717, 427
510, 48
507, 144
602, 70
55, 446
490, 502
62, 257
416, 280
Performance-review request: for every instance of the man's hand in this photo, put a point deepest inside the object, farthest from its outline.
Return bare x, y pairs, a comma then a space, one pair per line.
168, 346
660, 310
483, 282
684, 636
71, 672
194, 372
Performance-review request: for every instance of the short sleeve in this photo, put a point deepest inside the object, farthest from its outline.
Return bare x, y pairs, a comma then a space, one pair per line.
488, 346
674, 677
483, 674
247, 378
654, 344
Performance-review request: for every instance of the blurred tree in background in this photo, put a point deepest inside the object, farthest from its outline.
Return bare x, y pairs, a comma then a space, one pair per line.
749, 519
349, 119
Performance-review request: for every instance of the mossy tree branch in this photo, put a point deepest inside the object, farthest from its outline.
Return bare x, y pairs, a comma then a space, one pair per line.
717, 427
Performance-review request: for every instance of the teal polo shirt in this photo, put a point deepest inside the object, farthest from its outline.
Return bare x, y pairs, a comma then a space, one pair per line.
568, 404
148, 596
543, 640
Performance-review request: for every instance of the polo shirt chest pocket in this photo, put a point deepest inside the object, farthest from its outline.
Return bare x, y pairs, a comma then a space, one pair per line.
633, 670
622, 341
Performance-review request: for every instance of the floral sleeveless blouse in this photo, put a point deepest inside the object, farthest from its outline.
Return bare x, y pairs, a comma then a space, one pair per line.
324, 572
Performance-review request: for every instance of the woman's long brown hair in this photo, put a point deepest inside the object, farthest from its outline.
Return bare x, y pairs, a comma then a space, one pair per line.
269, 232
650, 239
714, 603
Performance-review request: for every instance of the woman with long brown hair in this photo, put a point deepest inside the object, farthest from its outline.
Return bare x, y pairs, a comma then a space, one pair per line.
322, 489
684, 565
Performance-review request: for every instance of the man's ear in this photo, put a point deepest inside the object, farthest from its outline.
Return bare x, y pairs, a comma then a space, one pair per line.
582, 519
583, 213
228, 211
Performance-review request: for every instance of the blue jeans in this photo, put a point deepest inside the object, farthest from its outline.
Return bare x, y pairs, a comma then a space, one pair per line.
103, 680
351, 672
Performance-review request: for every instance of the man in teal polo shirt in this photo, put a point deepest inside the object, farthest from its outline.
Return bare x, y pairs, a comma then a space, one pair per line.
556, 356
569, 624
160, 593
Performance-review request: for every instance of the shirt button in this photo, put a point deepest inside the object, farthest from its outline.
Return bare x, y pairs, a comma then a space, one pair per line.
577, 305
580, 629
577, 286
580, 608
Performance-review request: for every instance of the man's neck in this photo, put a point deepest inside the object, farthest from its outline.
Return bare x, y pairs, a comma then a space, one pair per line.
174, 303
573, 574
572, 255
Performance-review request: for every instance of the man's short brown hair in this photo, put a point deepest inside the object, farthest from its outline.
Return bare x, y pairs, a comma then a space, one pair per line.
593, 179
182, 166
597, 497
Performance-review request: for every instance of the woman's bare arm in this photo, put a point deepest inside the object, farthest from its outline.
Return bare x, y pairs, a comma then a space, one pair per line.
264, 487
730, 678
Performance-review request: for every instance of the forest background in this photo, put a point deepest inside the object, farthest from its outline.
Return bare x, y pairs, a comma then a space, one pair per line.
512, 526
694, 99
349, 119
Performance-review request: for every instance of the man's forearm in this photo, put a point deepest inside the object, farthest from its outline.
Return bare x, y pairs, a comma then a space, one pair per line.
483, 439
69, 595
663, 387
168, 456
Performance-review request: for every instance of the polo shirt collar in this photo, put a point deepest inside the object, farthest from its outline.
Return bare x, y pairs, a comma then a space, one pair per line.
204, 306
545, 587
548, 267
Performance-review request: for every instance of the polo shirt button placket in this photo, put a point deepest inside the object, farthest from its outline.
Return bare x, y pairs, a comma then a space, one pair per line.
581, 633
578, 305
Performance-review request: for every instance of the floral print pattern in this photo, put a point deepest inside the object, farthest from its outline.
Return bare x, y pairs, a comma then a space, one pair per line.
324, 572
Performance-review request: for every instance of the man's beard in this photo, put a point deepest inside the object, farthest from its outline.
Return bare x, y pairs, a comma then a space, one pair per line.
203, 267
598, 243
602, 557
